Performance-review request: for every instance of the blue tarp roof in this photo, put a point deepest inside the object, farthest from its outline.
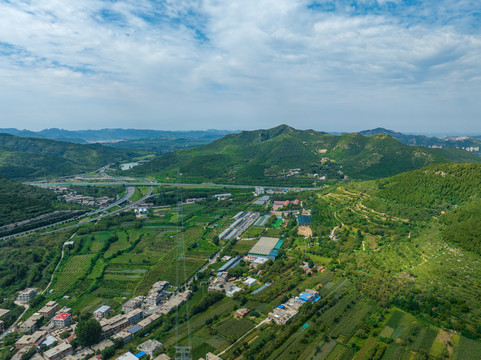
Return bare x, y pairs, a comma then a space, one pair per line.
281, 306
140, 354
305, 297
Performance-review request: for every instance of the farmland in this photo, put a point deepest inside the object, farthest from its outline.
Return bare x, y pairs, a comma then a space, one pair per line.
74, 268
390, 285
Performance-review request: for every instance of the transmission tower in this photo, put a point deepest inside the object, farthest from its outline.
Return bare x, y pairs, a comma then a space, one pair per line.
181, 352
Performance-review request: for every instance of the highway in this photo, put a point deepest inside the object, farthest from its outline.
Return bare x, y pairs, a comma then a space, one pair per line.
126, 197
123, 182
112, 181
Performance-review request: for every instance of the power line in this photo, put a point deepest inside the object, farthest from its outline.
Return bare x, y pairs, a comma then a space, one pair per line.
181, 352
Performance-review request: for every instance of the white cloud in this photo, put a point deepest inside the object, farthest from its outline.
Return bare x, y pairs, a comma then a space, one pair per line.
257, 62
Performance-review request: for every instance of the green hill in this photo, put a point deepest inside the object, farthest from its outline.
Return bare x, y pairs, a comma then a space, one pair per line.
286, 156
435, 186
22, 202
450, 192
30, 158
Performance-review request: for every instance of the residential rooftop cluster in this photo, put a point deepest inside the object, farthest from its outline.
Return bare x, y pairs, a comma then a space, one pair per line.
284, 313
46, 328
70, 195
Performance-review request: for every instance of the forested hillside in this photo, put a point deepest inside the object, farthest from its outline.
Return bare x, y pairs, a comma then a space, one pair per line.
286, 156
21, 202
30, 158
434, 186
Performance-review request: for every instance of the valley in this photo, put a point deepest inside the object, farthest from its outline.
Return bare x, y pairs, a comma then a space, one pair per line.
393, 276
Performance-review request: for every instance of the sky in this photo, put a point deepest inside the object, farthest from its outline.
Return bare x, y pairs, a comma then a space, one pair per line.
411, 66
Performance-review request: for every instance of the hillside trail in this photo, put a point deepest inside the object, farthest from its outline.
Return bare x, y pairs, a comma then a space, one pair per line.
243, 336
58, 264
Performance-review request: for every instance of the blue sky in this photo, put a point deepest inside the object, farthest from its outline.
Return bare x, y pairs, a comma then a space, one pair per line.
411, 65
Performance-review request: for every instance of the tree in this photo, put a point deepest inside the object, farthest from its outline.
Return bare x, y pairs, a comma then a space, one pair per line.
215, 240
88, 332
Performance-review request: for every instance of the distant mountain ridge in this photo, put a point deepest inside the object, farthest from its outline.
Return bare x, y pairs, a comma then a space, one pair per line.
284, 155
112, 135
461, 142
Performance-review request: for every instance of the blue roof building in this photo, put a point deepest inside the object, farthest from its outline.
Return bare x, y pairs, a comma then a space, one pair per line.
135, 329
303, 220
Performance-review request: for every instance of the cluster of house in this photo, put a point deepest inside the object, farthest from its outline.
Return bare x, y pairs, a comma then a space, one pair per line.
157, 294
284, 313
222, 282
59, 318
148, 348
72, 196
308, 270
48, 337
143, 353
280, 204
141, 210
138, 313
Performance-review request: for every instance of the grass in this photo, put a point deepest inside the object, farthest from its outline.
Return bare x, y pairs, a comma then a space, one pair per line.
243, 246
232, 329
119, 245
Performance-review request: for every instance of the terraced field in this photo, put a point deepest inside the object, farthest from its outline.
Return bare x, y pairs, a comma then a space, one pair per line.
74, 268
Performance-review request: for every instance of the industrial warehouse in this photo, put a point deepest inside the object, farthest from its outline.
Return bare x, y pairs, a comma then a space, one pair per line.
265, 249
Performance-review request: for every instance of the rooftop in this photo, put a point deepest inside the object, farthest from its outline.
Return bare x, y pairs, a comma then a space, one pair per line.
127, 356
264, 246
62, 316
57, 350
103, 308
304, 220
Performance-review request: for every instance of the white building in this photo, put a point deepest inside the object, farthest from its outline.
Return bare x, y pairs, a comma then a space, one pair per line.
102, 312
27, 295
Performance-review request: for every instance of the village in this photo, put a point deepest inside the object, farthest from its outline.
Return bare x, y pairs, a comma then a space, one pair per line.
49, 332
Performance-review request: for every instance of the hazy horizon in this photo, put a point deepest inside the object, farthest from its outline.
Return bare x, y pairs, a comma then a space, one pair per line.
433, 134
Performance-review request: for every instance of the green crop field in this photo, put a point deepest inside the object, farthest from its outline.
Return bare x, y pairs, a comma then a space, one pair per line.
74, 268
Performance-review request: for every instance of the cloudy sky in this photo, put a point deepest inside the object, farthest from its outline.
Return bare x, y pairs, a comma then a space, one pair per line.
412, 65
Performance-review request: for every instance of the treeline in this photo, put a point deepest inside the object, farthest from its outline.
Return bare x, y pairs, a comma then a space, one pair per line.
207, 301
111, 221
171, 196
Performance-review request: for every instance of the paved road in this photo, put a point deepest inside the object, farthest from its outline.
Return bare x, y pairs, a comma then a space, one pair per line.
15, 323
149, 183
128, 195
